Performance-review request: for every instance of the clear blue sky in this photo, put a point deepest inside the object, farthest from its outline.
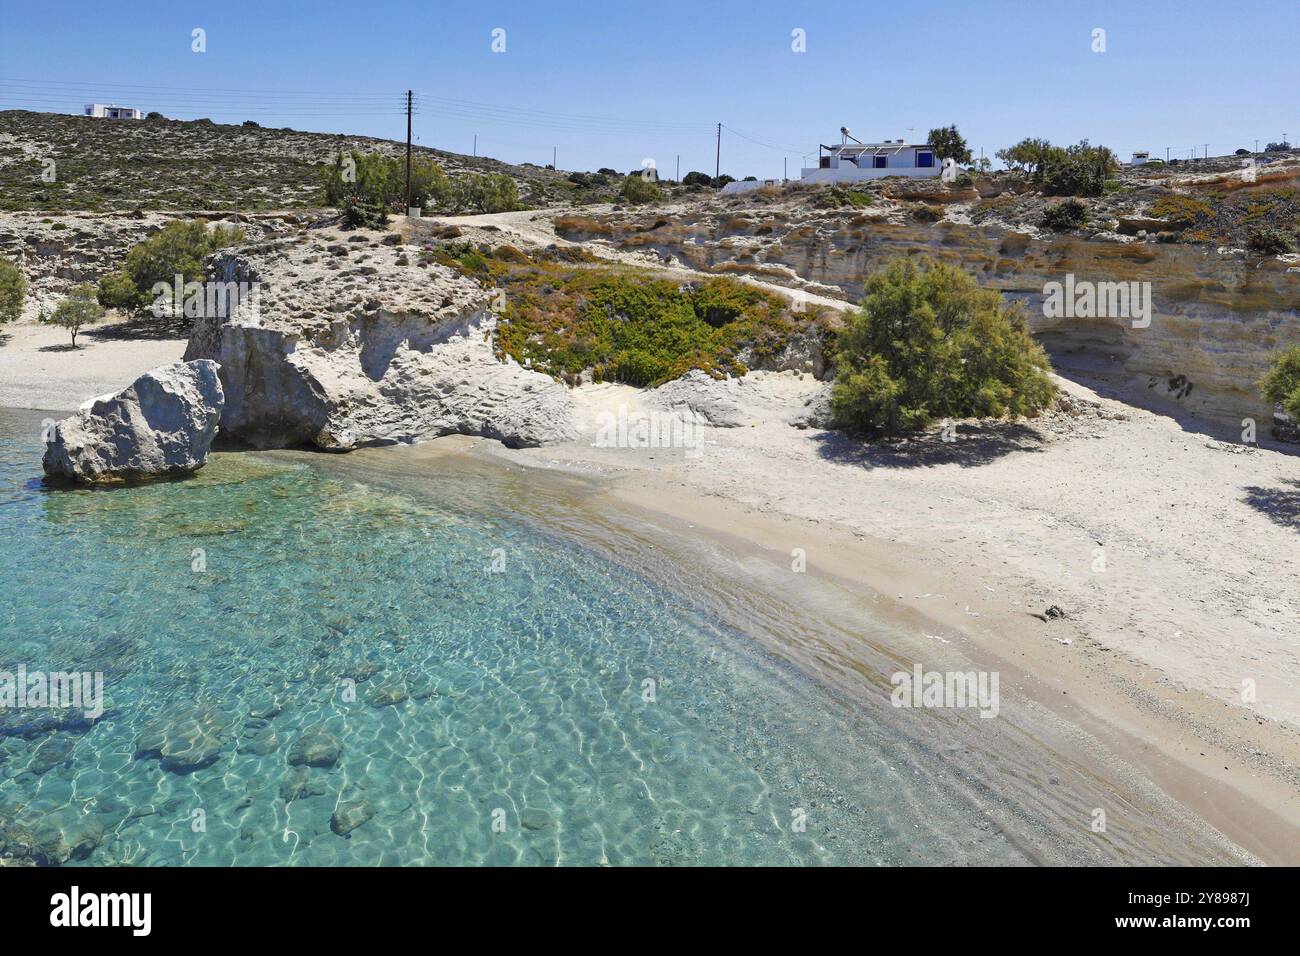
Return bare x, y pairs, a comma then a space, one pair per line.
641, 80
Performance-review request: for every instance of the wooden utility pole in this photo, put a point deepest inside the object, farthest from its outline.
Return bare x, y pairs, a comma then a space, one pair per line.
554, 151
717, 160
679, 168
476, 145
408, 151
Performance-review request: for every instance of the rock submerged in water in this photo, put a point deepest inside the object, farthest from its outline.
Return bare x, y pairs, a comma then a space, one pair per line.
183, 743
315, 750
350, 815
535, 819
57, 838
298, 783
162, 425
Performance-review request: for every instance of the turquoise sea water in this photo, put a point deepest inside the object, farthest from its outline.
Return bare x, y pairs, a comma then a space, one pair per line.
482, 684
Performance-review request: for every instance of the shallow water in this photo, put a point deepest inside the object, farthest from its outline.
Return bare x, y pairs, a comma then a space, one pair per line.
498, 693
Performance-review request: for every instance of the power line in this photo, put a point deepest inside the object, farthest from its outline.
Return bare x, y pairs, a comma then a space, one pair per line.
559, 117
758, 142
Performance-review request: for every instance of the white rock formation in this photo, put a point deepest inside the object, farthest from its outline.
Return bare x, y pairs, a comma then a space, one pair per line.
744, 401
359, 342
717, 402
162, 424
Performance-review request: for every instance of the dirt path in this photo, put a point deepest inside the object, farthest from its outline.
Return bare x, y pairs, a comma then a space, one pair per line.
537, 228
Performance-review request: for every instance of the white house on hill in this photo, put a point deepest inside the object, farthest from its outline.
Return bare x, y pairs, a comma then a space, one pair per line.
113, 111
856, 161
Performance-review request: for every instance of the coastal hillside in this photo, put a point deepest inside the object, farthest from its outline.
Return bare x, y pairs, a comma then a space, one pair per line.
163, 164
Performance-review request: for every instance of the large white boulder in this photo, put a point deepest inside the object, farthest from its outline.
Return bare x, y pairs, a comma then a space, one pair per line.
343, 345
161, 425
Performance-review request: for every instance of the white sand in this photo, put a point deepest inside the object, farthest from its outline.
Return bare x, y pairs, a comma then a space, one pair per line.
1197, 593
1157, 542
38, 369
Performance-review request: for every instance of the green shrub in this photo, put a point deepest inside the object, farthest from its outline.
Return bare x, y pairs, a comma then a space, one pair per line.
367, 186
118, 291
1070, 214
637, 190
1028, 155
836, 197
494, 192
460, 255
622, 324
13, 290
1183, 210
358, 214
922, 212
696, 178
79, 309
1268, 241
1281, 383
179, 248
930, 343
1079, 170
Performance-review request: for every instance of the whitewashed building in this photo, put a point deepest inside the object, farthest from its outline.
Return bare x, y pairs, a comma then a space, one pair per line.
113, 111
853, 161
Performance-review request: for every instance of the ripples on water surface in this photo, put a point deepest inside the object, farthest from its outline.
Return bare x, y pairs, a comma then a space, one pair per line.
515, 698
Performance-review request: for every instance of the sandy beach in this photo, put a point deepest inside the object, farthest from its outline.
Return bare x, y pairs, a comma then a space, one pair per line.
1101, 513
40, 369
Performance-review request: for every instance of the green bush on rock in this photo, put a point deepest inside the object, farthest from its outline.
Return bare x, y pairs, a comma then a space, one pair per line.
637, 190
179, 248
1070, 214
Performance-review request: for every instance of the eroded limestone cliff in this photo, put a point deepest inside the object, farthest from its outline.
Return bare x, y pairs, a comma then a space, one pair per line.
1217, 314
341, 342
